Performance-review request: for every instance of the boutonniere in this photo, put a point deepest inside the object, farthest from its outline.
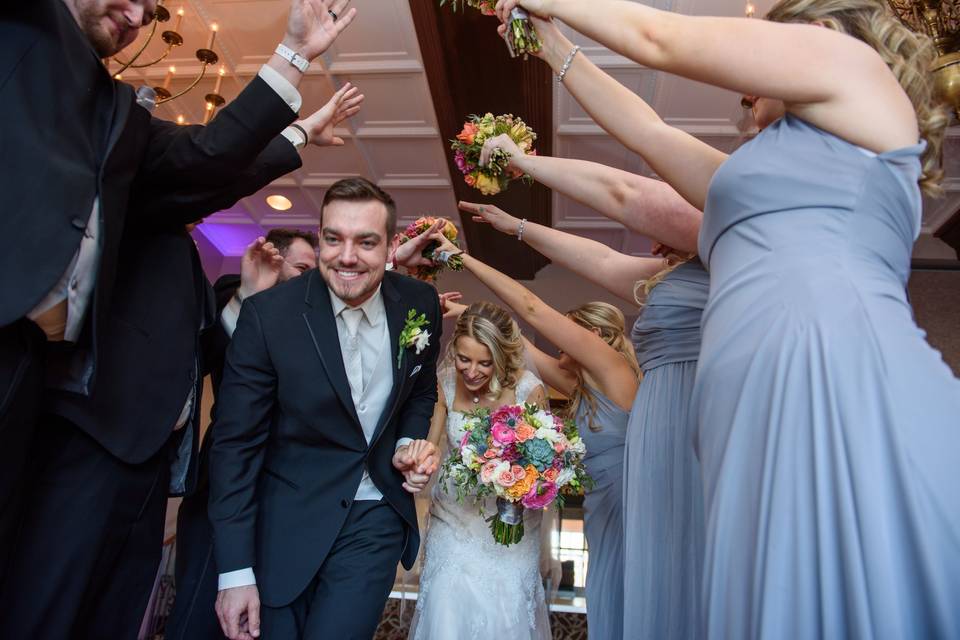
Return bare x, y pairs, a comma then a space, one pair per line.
413, 334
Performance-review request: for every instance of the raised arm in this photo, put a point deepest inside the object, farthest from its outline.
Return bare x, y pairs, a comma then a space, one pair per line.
835, 81
614, 271
548, 368
650, 207
595, 356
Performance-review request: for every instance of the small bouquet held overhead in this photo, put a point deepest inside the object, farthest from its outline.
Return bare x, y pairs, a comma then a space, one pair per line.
520, 35
521, 454
495, 176
440, 260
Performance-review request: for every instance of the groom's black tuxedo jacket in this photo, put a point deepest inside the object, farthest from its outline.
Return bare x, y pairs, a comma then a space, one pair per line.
289, 450
71, 134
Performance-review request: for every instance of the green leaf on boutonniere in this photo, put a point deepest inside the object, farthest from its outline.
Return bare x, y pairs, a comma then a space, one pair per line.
413, 334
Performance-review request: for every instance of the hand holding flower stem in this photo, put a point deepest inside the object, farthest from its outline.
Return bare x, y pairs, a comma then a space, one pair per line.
409, 254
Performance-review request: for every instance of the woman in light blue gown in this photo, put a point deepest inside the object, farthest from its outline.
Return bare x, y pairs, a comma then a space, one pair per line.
598, 371
828, 429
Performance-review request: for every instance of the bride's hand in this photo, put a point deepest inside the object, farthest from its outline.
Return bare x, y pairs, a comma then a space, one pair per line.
494, 216
417, 461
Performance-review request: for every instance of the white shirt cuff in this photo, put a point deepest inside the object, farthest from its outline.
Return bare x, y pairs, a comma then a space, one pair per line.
295, 137
229, 316
402, 442
282, 86
234, 579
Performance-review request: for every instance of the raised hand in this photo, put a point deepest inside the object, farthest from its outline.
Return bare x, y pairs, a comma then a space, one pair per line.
494, 216
238, 611
449, 304
444, 243
538, 7
259, 267
312, 27
320, 124
503, 142
409, 254
417, 461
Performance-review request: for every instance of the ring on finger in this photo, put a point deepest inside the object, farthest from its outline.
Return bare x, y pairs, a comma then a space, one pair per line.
333, 14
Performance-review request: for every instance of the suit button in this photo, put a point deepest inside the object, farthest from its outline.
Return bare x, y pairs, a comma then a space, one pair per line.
344, 504
79, 223
363, 408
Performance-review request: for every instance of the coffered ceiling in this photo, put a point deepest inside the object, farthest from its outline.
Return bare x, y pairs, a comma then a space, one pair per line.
396, 140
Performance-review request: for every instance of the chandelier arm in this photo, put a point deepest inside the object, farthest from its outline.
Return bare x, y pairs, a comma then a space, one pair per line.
203, 71
149, 64
126, 65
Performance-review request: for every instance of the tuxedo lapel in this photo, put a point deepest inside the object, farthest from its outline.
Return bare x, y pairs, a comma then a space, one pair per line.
323, 332
396, 313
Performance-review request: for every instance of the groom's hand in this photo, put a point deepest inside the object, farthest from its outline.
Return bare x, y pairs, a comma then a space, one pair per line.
417, 461
238, 610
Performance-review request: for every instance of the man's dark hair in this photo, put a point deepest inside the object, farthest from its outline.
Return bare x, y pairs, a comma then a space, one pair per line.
362, 190
283, 238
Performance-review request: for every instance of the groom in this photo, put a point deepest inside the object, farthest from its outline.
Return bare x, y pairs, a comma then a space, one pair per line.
320, 429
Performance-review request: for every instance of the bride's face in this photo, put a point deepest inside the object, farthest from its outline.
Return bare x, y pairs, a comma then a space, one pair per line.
474, 363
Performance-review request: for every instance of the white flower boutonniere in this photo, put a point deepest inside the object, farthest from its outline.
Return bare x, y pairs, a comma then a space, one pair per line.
413, 336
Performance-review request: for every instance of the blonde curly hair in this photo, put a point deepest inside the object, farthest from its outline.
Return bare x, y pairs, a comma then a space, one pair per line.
909, 55
611, 325
494, 328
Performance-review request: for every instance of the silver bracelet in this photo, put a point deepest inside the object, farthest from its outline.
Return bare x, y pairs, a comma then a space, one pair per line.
567, 63
523, 221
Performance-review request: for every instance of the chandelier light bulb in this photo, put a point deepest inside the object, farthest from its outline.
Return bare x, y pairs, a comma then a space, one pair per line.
750, 9
213, 35
180, 13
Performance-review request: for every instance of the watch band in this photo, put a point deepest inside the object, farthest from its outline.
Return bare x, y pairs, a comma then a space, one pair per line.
292, 57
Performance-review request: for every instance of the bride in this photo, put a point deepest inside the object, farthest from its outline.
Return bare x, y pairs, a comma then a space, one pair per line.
471, 586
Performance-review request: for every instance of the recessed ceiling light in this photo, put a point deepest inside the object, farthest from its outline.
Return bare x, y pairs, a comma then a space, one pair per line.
280, 203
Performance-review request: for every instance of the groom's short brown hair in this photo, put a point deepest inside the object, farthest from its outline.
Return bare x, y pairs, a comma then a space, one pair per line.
361, 190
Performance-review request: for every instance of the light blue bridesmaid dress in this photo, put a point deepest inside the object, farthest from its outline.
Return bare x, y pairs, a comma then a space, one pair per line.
603, 517
663, 491
829, 433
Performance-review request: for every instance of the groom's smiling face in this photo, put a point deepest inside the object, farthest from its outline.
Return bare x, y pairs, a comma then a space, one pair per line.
355, 248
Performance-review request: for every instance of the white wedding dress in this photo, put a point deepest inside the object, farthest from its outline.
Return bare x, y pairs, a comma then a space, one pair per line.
472, 587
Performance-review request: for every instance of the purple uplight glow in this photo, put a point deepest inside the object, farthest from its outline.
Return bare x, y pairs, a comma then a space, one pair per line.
231, 239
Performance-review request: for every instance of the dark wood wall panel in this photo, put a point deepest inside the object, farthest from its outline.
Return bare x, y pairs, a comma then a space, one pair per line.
470, 71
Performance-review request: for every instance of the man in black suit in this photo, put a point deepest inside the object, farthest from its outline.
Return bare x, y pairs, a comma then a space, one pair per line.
320, 431
86, 158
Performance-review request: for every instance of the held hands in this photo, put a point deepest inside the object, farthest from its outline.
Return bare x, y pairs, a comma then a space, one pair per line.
319, 125
259, 267
311, 28
417, 461
494, 216
409, 254
238, 611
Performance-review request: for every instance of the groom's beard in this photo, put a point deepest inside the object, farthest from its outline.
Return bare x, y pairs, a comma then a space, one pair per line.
354, 290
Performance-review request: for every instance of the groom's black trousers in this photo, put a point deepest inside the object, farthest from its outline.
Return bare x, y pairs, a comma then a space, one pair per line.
345, 599
90, 540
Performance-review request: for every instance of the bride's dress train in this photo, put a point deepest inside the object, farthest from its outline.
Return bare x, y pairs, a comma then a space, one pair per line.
471, 587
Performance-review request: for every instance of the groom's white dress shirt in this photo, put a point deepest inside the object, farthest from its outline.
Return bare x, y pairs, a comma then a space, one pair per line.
368, 360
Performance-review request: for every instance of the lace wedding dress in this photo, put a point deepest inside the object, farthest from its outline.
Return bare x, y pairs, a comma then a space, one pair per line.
471, 587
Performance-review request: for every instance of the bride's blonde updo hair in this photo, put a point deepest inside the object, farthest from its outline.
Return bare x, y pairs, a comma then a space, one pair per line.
494, 328
609, 322
909, 56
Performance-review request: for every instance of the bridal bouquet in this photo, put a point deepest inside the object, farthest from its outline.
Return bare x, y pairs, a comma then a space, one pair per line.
520, 36
493, 178
521, 454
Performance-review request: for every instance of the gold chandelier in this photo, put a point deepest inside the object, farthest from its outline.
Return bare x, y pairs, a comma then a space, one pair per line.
172, 39
941, 21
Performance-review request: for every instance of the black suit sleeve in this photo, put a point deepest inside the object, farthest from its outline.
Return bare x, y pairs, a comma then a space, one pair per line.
279, 158
242, 425
414, 420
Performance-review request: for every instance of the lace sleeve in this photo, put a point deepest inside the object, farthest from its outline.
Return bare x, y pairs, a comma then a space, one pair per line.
448, 383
